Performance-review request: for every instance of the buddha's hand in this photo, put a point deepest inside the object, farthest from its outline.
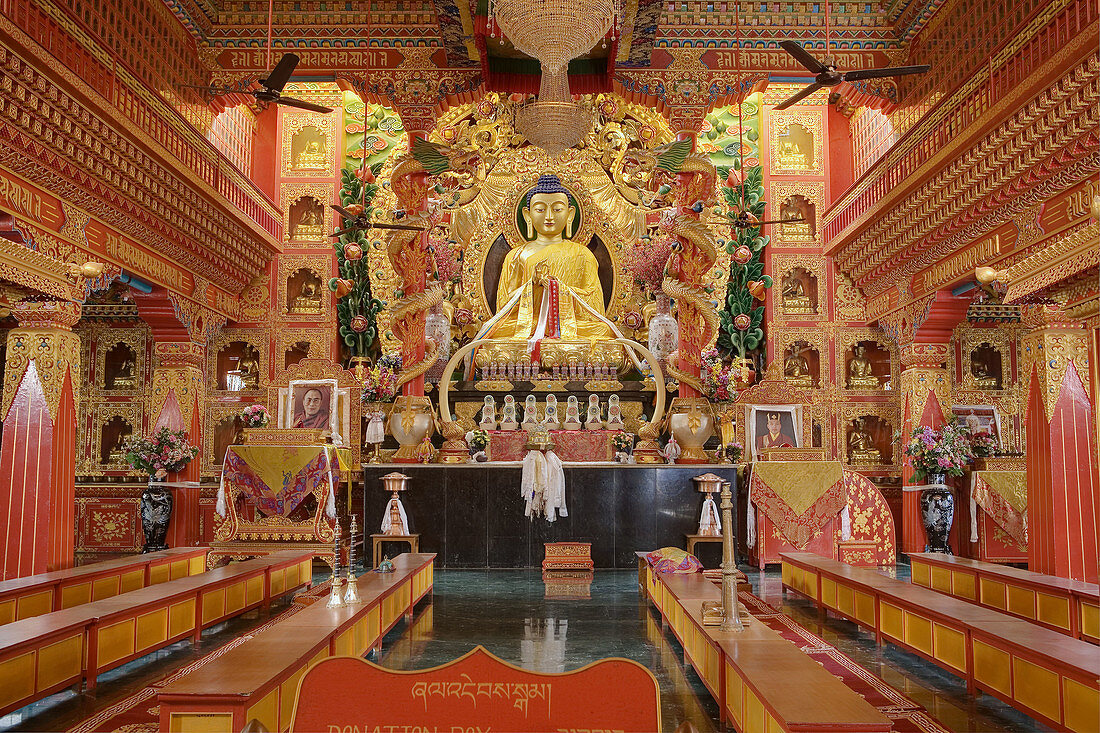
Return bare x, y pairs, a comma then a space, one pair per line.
542, 274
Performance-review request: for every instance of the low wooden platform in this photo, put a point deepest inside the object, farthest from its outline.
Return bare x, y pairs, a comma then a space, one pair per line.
1048, 675
47, 653
762, 682
1069, 606
35, 595
259, 679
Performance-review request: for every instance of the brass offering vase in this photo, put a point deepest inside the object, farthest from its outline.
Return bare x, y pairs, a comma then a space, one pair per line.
692, 422
410, 422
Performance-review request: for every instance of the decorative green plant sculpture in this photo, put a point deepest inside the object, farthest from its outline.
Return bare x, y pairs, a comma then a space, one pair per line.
356, 307
742, 319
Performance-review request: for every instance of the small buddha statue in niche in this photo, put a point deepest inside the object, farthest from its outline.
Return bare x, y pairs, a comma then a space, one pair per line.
795, 299
124, 378
117, 453
980, 370
249, 370
308, 299
861, 447
792, 156
310, 224
796, 370
859, 370
313, 156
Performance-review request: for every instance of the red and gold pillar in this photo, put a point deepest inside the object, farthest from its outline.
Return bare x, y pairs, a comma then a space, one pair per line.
925, 389
38, 448
1062, 482
177, 401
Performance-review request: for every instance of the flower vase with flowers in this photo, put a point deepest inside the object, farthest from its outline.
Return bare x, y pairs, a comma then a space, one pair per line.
255, 416
735, 451
166, 451
983, 444
380, 379
946, 452
719, 378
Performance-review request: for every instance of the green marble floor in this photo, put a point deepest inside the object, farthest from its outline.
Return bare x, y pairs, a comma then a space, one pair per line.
513, 614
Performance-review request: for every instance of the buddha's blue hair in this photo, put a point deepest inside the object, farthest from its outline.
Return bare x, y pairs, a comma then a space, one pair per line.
549, 183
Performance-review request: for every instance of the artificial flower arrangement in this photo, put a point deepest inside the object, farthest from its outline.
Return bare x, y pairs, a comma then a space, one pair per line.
717, 377
931, 452
983, 444
735, 451
622, 441
380, 379
166, 451
255, 416
478, 439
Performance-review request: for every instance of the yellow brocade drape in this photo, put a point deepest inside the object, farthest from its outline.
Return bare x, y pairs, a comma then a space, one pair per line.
800, 497
575, 267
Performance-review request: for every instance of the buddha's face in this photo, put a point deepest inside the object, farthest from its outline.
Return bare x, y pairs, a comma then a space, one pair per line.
549, 214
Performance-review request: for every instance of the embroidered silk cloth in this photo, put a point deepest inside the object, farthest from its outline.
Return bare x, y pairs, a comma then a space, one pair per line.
800, 497
569, 445
278, 478
1003, 496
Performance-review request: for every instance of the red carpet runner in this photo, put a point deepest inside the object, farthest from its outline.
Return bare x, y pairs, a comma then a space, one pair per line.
139, 713
908, 716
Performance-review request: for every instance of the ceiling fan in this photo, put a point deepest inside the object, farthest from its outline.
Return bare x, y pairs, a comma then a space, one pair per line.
271, 88
826, 75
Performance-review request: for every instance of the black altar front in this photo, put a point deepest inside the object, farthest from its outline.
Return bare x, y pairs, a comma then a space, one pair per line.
472, 514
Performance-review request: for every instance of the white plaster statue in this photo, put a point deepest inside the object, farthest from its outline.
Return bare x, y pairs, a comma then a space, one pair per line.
614, 413
572, 414
489, 414
530, 413
594, 419
550, 418
508, 419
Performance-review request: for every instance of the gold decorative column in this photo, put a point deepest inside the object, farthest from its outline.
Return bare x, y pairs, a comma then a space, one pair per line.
1062, 485
42, 381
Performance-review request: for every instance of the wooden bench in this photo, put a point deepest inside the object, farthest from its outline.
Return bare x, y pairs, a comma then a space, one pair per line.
1046, 674
44, 654
259, 679
761, 681
35, 595
1069, 606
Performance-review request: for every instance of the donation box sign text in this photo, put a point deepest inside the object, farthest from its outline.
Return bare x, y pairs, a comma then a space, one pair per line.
477, 693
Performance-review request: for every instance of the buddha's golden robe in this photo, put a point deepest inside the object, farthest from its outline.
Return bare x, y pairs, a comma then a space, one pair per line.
574, 267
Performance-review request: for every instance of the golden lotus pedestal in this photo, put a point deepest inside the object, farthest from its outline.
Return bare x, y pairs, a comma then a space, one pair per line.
864, 383
803, 380
798, 305
865, 458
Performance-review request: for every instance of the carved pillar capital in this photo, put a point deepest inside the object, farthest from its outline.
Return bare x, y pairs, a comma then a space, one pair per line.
924, 355
44, 336
1046, 354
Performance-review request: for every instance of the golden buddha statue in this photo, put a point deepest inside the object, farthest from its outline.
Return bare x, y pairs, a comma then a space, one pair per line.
983, 376
859, 370
792, 156
795, 300
796, 370
308, 299
249, 371
124, 378
312, 156
861, 447
310, 225
795, 230
117, 453
549, 287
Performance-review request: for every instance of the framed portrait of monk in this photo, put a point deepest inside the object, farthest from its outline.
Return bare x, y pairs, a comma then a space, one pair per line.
772, 426
312, 404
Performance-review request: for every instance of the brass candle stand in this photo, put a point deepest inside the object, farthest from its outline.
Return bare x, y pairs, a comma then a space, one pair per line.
336, 598
727, 614
351, 595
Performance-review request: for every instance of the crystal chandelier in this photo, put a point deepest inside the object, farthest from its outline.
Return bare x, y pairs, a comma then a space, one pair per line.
554, 31
553, 123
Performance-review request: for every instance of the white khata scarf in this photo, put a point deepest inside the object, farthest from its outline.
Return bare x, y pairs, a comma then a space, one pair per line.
542, 486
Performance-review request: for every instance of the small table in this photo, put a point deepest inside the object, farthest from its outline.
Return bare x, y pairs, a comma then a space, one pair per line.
693, 539
376, 552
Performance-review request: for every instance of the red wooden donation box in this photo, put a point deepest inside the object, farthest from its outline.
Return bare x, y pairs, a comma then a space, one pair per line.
478, 692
